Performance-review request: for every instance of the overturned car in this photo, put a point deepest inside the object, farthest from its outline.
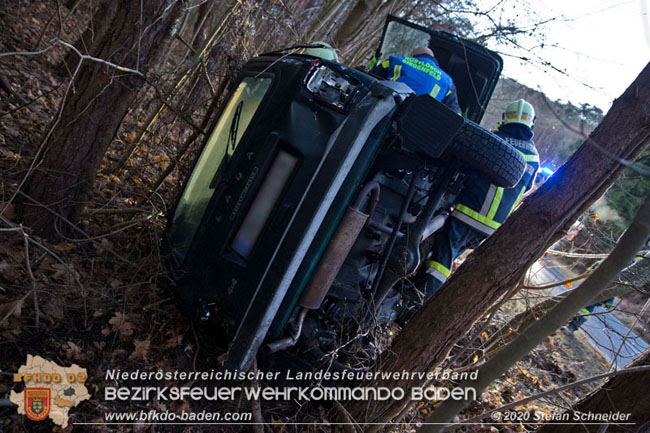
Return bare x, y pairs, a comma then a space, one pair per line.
308, 206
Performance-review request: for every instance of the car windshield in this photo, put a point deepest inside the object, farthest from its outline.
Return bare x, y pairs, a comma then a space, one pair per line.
220, 146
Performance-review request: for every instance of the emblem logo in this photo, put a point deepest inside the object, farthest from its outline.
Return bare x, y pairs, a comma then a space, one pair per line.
37, 403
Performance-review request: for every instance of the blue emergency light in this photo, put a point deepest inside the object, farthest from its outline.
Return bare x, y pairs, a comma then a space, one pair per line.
547, 171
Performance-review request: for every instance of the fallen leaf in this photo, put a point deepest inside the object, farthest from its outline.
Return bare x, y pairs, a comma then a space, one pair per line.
103, 77
8, 211
121, 325
73, 352
13, 308
141, 349
99, 344
53, 310
173, 341
8, 271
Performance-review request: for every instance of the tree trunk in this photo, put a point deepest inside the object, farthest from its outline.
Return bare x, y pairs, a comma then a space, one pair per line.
502, 260
626, 394
356, 19
99, 98
324, 18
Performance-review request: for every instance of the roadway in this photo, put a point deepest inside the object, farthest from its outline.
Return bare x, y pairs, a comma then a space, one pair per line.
603, 331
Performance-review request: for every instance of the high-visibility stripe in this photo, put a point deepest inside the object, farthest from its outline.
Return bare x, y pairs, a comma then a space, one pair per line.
385, 64
495, 204
530, 158
477, 216
472, 222
438, 267
435, 91
448, 93
489, 197
585, 311
397, 70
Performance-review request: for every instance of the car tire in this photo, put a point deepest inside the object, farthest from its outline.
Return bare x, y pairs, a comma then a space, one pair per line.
487, 156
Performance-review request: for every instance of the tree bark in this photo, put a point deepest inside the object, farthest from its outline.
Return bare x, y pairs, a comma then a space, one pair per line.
356, 19
502, 260
100, 97
627, 394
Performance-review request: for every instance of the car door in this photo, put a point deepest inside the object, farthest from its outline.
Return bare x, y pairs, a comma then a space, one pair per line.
474, 69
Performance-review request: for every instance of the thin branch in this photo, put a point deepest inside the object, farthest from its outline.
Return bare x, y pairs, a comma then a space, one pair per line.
28, 265
98, 60
624, 162
14, 227
478, 418
27, 53
560, 283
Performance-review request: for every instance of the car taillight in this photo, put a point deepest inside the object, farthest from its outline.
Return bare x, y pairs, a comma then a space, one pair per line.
328, 86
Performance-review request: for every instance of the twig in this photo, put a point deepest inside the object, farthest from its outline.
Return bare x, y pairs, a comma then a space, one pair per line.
27, 53
27, 103
560, 283
521, 402
28, 265
577, 255
91, 212
98, 60
65, 220
198, 348
624, 162
256, 406
13, 227
35, 160
629, 331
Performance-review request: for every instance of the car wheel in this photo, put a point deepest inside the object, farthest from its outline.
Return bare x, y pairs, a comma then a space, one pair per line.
485, 155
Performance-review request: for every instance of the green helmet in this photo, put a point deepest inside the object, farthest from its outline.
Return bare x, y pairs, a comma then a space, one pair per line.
521, 112
326, 52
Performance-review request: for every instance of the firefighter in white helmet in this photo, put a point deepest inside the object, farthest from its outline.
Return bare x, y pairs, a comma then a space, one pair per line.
482, 207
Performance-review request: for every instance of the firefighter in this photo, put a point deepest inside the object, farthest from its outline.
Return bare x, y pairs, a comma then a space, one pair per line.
420, 71
482, 207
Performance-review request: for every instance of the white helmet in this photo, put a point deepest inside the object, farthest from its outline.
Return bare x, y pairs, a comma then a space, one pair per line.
322, 50
521, 112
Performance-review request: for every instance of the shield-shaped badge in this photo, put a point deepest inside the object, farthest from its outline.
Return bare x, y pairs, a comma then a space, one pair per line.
37, 403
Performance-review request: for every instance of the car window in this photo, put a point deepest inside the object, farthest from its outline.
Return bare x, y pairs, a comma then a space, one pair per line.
220, 146
400, 40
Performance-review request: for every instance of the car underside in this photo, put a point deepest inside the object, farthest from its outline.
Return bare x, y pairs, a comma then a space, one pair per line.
315, 194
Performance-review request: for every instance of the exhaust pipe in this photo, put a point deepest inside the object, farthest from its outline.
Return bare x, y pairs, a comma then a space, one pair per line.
282, 344
338, 249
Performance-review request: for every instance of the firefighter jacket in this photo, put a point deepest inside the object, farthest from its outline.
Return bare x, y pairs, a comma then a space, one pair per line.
484, 206
422, 74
